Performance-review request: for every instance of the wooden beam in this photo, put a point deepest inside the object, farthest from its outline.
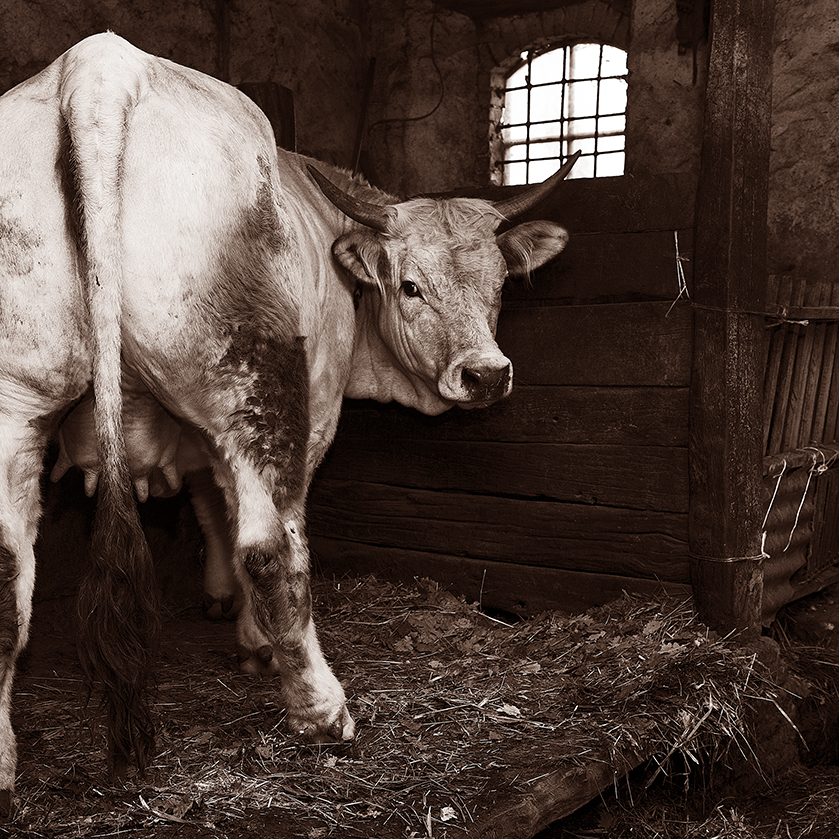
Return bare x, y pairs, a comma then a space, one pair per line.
726, 509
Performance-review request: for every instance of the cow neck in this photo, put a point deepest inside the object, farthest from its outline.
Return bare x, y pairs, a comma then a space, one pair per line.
377, 374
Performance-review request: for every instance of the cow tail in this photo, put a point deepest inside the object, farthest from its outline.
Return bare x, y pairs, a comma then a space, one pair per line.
117, 602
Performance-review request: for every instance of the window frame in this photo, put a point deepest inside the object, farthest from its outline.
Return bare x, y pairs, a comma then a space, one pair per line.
501, 86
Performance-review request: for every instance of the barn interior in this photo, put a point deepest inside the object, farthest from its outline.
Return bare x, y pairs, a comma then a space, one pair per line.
675, 418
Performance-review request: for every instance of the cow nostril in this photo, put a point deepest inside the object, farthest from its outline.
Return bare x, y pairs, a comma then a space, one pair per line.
471, 378
485, 381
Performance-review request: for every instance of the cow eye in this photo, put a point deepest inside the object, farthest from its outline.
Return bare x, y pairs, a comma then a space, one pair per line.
410, 289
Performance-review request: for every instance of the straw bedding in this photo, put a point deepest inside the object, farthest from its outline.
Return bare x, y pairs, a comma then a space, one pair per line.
468, 726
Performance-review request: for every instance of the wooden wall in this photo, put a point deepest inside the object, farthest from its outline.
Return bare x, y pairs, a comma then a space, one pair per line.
576, 486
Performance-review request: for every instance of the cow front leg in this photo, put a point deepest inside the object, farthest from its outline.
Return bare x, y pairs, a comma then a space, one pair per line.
276, 632
21, 454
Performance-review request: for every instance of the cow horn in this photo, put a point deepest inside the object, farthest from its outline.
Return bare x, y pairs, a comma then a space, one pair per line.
521, 203
372, 215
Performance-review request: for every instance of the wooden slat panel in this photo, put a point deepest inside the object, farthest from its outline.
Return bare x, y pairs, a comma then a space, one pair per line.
520, 589
576, 536
629, 344
643, 478
610, 415
617, 267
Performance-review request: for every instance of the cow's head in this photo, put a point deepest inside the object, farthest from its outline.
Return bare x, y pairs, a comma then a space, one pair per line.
437, 268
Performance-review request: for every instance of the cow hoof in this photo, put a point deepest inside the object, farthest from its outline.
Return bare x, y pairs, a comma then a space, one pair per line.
216, 609
7, 804
257, 662
337, 728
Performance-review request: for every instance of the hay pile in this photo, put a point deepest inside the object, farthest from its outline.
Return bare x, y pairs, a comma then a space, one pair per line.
467, 725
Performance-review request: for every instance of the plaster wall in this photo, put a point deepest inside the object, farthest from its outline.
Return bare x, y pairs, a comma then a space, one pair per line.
429, 114
313, 47
804, 158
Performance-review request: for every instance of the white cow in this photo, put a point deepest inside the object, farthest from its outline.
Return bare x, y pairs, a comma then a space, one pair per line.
176, 298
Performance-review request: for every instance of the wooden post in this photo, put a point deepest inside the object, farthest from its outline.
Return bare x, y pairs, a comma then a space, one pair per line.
726, 435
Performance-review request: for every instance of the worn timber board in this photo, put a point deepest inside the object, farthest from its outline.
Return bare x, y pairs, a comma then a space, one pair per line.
585, 537
508, 586
629, 344
612, 267
638, 416
624, 204
634, 477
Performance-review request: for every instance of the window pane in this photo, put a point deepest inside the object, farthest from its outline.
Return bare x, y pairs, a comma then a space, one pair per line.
515, 173
610, 164
541, 170
519, 78
614, 62
545, 151
515, 107
516, 134
545, 103
548, 67
583, 168
581, 128
615, 143
581, 100
517, 152
546, 131
612, 96
612, 125
586, 146
585, 61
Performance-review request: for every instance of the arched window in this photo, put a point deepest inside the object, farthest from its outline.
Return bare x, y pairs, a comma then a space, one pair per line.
557, 102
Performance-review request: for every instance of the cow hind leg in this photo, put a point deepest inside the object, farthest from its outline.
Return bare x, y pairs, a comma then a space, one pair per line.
21, 456
222, 592
276, 631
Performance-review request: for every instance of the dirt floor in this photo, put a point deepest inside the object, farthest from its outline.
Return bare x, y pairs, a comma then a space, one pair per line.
461, 718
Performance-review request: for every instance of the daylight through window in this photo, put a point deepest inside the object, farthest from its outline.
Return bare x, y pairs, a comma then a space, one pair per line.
568, 99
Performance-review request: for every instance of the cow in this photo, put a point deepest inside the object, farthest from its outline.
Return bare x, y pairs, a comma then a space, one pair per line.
178, 297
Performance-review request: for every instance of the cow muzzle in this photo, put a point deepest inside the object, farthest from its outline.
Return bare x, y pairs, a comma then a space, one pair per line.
478, 381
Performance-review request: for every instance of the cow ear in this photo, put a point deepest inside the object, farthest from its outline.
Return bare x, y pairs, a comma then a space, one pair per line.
359, 253
531, 244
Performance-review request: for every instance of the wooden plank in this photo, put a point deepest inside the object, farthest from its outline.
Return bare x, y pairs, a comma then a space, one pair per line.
814, 372
623, 204
576, 536
826, 385
779, 291
538, 414
791, 335
614, 267
730, 278
634, 477
627, 344
512, 587
560, 793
